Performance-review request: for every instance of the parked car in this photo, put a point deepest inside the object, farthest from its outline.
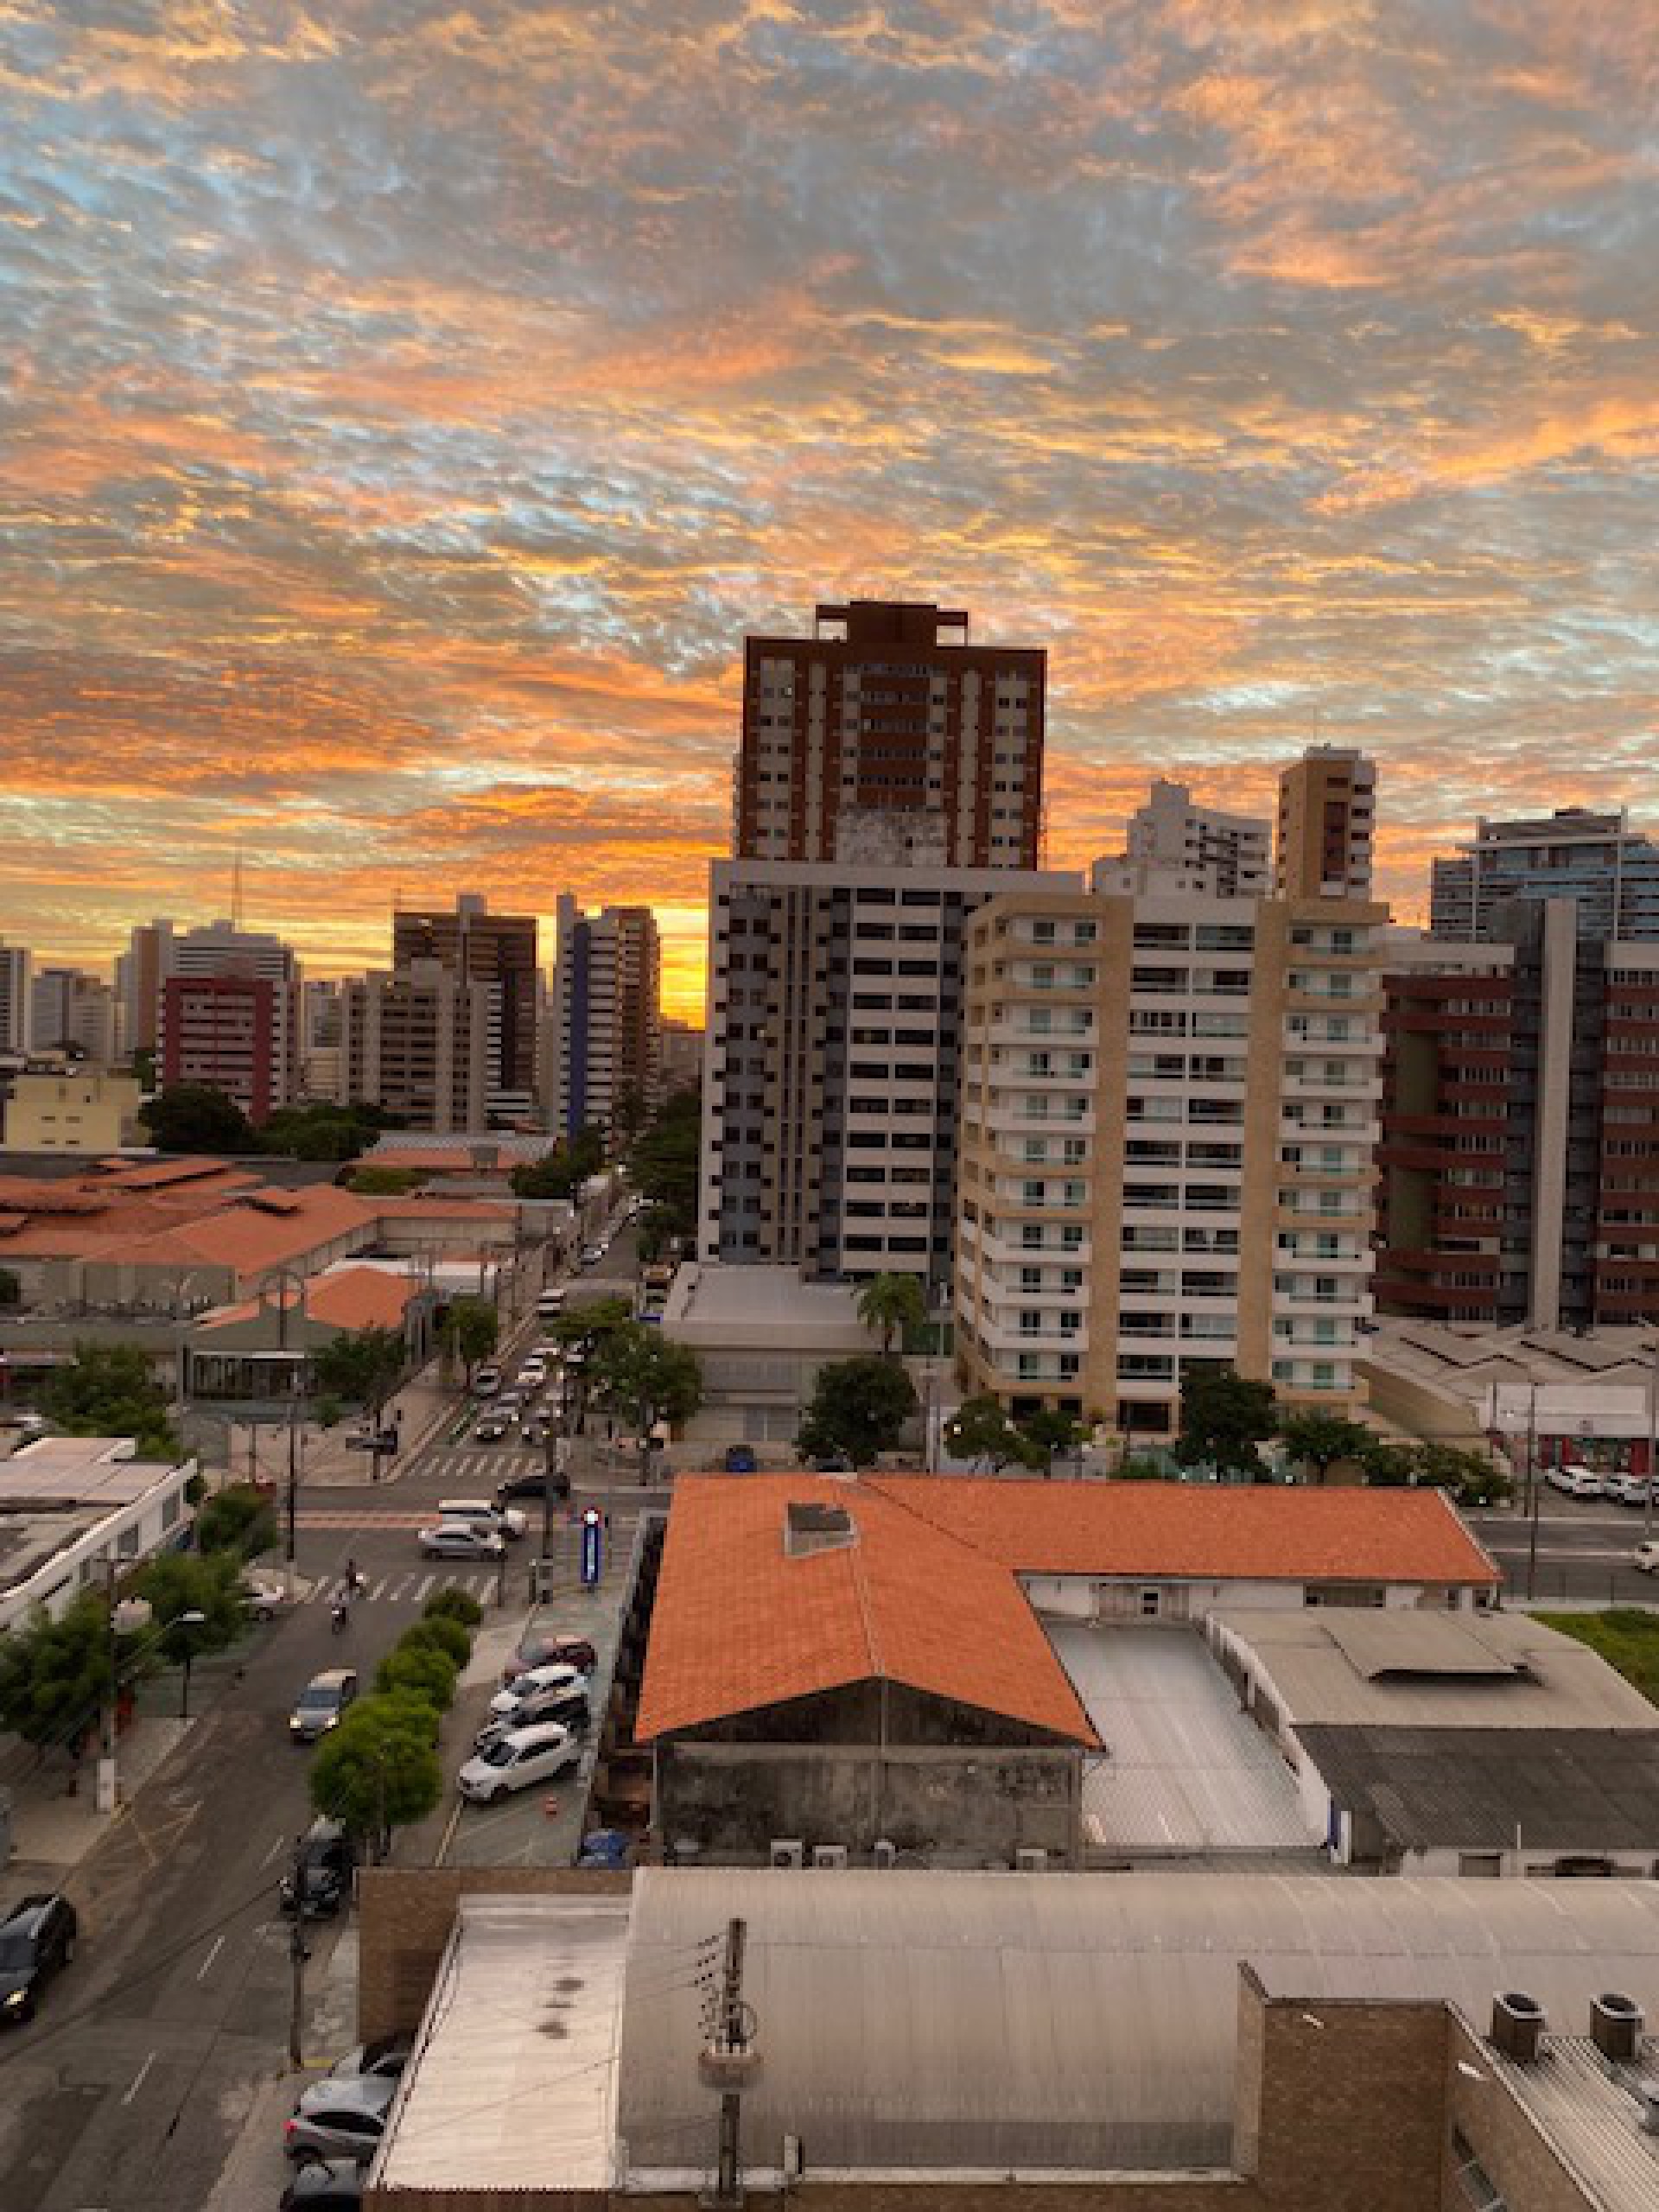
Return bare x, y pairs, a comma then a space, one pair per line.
460, 1540
569, 1707
740, 1459
529, 1486
372, 1439
591, 1255
532, 1375
1645, 1557
505, 1520
521, 1758
37, 1941
328, 1860
486, 1381
537, 1682
542, 1648
388, 2056
607, 1848
490, 1428
324, 2185
1628, 1489
321, 1704
342, 2118
1577, 1482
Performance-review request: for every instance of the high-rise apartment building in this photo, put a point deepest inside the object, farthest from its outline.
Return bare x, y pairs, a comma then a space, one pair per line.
604, 1019
14, 965
1610, 871
72, 1011
223, 949
140, 972
888, 709
423, 1042
1168, 1118
234, 1032
831, 1078
486, 948
1519, 1168
1174, 844
1327, 825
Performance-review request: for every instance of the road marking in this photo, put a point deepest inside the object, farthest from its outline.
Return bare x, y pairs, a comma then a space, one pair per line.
202, 1971
281, 1843
138, 2079
427, 1580
448, 1837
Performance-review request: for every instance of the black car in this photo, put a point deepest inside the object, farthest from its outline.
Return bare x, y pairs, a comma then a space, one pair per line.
327, 1860
534, 1486
37, 1939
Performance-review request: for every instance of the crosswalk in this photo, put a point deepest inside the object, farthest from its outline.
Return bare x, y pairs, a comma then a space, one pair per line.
482, 1469
409, 1586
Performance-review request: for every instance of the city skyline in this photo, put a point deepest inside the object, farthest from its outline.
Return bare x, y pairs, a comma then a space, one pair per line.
413, 410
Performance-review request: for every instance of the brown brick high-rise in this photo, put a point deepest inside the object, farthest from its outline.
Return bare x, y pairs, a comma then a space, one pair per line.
887, 709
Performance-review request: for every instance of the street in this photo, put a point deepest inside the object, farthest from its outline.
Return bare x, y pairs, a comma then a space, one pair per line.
1583, 1551
129, 2088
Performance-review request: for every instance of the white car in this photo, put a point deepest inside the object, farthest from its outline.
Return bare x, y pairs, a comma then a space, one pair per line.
1577, 1482
516, 1761
1645, 1557
484, 1513
538, 1682
262, 1599
1628, 1489
460, 1539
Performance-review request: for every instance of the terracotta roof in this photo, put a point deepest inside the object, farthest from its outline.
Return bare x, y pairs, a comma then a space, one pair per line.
928, 1594
344, 1297
1200, 1531
738, 1624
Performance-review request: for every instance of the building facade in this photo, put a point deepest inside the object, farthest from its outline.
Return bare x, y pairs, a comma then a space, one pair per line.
140, 972
603, 1023
236, 1033
77, 1109
1610, 871
1327, 825
888, 708
72, 1011
830, 1089
14, 965
423, 1042
1230, 854
488, 950
1168, 1115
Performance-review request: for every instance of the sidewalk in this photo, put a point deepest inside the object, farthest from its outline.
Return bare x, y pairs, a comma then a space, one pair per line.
52, 1830
419, 1411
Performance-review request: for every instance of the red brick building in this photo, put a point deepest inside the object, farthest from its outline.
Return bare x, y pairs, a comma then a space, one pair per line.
888, 709
236, 1032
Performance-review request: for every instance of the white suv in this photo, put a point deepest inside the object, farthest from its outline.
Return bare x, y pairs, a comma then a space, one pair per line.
518, 1761
1577, 1482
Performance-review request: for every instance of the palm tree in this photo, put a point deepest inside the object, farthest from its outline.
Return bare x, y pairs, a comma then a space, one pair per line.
892, 1304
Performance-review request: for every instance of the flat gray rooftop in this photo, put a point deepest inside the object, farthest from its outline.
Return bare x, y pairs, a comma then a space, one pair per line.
1184, 1771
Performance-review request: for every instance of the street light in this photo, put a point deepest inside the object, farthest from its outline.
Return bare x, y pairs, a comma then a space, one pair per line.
137, 1613
192, 1619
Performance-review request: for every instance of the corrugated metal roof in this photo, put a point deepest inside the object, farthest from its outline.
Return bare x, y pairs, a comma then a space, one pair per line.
1088, 2021
1185, 1769
1304, 1656
1586, 2110
1436, 1645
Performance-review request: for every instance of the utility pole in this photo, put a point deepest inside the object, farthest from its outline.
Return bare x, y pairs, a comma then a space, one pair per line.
106, 1792
730, 2058
297, 1955
1532, 1488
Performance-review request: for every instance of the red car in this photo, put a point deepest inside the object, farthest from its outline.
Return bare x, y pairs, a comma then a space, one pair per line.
542, 1650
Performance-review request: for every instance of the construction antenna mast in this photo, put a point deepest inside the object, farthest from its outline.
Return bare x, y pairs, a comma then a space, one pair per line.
236, 890
730, 2060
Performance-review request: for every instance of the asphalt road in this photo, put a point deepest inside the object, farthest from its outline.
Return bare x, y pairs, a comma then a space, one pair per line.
127, 2092
1583, 1550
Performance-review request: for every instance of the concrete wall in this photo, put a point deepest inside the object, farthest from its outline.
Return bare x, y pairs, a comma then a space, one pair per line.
958, 1806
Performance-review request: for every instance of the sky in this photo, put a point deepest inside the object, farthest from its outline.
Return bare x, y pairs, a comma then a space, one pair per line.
405, 408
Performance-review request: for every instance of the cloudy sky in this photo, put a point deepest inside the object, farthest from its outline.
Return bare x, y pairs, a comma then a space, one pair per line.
404, 409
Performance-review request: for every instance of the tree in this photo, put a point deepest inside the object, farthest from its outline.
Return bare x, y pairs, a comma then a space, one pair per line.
980, 1430
376, 1182
363, 1367
1389, 1466
555, 1175
421, 1670
54, 1675
639, 1368
1317, 1440
323, 1130
237, 1521
380, 1769
1224, 1415
1049, 1434
664, 1167
1471, 1477
185, 1582
197, 1117
892, 1305
109, 1390
472, 1329
454, 1605
858, 1408
587, 1325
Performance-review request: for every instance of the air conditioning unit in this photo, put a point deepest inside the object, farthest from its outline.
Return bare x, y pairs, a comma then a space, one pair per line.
1616, 2024
884, 1851
1517, 2025
1031, 1862
787, 1851
829, 1858
1647, 2098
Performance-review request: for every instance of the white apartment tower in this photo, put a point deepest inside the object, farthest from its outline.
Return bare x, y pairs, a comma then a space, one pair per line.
604, 1032
1169, 1110
1171, 841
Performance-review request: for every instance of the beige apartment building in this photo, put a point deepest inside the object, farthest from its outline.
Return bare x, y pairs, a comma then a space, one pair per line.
423, 1042
72, 1109
1169, 1111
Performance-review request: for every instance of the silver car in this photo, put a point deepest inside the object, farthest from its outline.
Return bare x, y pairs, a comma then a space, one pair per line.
342, 2118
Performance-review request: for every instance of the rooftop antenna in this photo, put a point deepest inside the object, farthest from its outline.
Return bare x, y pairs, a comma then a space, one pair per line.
236, 890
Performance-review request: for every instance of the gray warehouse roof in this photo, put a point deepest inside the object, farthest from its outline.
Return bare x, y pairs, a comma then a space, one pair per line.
996, 2021
1563, 1790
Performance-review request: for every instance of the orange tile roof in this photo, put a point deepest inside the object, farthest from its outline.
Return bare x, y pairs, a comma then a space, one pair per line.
345, 1297
1201, 1531
739, 1624
929, 1594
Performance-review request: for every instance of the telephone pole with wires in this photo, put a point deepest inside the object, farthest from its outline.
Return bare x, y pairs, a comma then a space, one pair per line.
730, 2060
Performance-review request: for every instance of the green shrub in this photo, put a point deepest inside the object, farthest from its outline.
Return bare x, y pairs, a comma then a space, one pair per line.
450, 1604
426, 1673
438, 1633
239, 1519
